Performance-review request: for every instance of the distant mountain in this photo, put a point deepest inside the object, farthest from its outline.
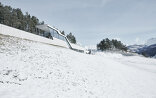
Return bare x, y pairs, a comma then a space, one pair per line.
135, 48
148, 50
151, 41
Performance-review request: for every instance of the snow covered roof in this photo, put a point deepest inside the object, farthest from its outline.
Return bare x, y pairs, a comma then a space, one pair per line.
46, 27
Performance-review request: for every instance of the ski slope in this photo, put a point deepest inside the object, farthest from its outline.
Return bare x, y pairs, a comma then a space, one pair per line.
35, 70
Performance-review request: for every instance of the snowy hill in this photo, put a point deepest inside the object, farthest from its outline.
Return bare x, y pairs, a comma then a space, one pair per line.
35, 70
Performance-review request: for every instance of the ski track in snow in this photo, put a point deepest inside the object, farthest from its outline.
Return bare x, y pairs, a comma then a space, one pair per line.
34, 70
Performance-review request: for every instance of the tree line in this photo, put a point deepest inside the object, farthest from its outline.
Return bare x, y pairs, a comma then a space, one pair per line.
14, 17
113, 44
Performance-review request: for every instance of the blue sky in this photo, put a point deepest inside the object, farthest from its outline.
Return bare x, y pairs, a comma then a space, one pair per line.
131, 21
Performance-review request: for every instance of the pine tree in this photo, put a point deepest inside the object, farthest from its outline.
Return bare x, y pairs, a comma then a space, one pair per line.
71, 38
15, 18
113, 44
63, 33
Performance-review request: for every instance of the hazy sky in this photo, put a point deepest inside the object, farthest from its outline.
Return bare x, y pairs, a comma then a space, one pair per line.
131, 21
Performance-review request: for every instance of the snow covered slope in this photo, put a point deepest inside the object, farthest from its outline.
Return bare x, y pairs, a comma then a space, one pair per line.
6, 30
34, 70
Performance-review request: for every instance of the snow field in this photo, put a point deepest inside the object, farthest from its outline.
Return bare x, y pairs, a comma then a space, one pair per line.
34, 70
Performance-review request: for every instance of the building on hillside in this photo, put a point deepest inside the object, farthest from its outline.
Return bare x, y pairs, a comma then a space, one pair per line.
53, 33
